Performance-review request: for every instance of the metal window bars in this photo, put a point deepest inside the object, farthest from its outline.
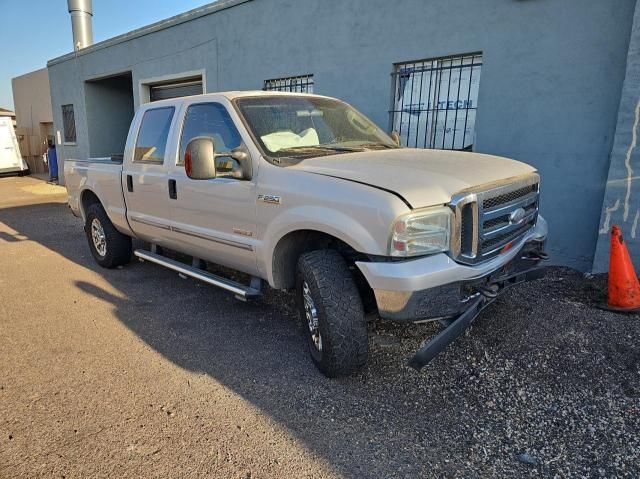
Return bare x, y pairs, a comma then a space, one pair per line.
435, 101
297, 84
69, 124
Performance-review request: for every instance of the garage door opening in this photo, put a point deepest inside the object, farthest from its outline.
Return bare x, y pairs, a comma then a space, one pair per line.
176, 88
109, 107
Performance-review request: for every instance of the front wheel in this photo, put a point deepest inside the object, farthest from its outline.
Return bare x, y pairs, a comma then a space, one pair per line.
109, 247
332, 313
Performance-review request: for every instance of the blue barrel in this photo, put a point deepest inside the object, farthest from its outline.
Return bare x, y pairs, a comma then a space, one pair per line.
52, 158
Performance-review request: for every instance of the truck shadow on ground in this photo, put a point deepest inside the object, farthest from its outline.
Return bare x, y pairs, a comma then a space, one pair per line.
11, 238
387, 420
363, 425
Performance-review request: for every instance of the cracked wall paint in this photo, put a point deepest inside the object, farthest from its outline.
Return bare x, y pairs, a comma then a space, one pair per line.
624, 163
627, 160
607, 219
628, 182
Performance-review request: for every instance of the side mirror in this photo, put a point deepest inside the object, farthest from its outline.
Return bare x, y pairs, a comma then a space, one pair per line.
240, 156
395, 136
200, 158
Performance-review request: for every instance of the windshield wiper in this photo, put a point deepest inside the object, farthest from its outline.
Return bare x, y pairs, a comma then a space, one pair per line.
374, 144
343, 148
346, 149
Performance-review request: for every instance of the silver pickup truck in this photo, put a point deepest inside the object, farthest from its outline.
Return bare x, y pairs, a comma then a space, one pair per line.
307, 194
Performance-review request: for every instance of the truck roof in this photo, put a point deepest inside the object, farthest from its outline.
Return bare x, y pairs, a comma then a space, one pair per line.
231, 95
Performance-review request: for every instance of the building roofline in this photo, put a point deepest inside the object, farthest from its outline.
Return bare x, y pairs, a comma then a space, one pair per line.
154, 27
29, 73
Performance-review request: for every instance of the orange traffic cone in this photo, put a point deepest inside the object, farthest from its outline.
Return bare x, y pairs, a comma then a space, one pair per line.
624, 288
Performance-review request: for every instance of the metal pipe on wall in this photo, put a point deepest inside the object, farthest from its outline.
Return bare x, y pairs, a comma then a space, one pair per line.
81, 12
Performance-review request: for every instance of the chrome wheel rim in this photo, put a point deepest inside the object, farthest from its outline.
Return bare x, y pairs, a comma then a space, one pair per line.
311, 314
98, 237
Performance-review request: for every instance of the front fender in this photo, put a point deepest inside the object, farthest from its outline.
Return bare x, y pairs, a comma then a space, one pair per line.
356, 214
324, 220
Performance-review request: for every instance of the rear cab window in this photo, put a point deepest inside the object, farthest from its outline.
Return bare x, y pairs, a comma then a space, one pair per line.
153, 135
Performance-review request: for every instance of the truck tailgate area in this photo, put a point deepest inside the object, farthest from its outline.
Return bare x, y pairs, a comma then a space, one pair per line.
101, 177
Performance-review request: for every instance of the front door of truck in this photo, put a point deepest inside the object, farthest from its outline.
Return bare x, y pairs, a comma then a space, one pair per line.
144, 175
213, 219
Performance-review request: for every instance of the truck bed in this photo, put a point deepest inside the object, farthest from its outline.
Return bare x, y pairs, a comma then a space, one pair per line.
117, 159
103, 177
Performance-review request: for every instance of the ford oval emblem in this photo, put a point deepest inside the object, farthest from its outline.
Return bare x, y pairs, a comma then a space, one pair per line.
517, 216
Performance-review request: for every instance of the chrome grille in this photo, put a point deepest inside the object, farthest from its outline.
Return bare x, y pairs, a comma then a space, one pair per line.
501, 241
501, 221
489, 203
489, 220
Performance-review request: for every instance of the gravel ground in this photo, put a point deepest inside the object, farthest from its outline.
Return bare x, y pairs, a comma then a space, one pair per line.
138, 373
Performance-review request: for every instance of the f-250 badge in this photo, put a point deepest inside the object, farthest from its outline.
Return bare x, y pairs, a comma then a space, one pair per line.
271, 199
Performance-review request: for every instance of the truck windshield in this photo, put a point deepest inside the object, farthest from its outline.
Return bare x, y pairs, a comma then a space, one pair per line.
297, 127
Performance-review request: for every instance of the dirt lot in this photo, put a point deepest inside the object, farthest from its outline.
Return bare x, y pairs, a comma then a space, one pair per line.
138, 373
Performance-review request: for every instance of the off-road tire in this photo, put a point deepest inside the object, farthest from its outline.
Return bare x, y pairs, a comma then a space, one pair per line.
341, 320
118, 246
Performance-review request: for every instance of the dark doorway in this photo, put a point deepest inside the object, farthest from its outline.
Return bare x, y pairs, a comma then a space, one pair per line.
109, 107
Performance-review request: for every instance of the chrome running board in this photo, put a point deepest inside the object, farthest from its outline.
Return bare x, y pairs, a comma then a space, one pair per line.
241, 291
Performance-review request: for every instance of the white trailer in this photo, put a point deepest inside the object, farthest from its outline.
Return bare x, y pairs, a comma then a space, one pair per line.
10, 158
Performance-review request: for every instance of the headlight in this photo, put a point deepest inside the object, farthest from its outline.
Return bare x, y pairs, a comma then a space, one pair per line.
421, 232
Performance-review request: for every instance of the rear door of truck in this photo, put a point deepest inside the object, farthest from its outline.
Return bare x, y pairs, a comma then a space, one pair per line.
144, 173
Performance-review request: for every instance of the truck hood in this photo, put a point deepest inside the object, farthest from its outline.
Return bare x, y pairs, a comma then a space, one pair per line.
421, 177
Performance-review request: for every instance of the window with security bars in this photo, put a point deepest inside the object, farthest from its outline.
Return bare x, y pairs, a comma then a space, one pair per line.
69, 124
435, 102
298, 84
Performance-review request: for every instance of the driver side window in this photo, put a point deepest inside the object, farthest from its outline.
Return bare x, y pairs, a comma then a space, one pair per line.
212, 120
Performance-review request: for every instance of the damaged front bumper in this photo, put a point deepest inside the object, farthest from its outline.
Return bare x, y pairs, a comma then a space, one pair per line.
437, 287
485, 294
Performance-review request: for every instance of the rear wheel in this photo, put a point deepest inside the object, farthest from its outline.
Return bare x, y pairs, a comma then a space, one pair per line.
332, 313
109, 247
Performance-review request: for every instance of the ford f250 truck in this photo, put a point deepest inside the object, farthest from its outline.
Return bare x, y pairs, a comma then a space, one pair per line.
307, 194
